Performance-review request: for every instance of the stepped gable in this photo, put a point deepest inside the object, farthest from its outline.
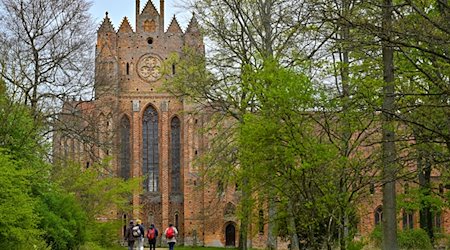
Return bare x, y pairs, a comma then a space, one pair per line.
174, 26
193, 26
150, 9
106, 25
125, 26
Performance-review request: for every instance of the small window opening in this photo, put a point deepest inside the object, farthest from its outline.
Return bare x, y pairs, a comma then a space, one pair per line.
176, 221
372, 188
173, 69
261, 222
128, 68
150, 41
87, 164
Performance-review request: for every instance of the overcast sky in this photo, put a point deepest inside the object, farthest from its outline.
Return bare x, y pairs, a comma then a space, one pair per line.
118, 9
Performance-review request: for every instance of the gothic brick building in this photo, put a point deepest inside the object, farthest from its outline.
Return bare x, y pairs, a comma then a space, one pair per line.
157, 136
149, 133
154, 135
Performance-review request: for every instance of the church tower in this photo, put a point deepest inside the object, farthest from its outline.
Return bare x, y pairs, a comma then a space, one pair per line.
155, 135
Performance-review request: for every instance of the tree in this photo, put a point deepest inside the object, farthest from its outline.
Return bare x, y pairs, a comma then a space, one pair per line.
47, 49
46, 216
47, 55
388, 144
244, 34
19, 222
97, 193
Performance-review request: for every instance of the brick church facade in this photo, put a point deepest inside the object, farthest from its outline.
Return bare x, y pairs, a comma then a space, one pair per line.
148, 133
155, 135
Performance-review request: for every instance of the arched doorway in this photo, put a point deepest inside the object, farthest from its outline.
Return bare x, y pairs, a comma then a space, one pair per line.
230, 235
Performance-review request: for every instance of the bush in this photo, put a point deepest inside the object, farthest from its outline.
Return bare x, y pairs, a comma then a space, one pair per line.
414, 239
62, 220
377, 236
104, 234
407, 239
356, 245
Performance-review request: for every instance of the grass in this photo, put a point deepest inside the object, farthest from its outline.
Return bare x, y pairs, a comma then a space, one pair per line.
201, 248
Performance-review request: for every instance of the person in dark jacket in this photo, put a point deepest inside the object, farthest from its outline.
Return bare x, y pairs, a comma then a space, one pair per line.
152, 235
129, 236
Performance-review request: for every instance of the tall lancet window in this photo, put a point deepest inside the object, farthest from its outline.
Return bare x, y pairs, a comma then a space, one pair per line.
124, 144
175, 154
150, 148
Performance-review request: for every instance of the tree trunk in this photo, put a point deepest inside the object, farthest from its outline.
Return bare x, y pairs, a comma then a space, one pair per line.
272, 234
346, 132
426, 217
388, 144
246, 213
292, 229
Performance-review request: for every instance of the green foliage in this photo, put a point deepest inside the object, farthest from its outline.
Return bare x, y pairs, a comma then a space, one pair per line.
63, 220
19, 131
18, 220
104, 234
96, 189
94, 246
407, 239
356, 245
377, 236
418, 199
98, 193
414, 239
285, 154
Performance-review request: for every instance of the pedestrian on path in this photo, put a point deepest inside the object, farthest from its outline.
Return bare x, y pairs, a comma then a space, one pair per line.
171, 233
140, 237
129, 238
152, 235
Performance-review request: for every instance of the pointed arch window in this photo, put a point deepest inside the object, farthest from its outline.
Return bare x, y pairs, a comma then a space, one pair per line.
175, 154
408, 220
124, 156
261, 222
437, 221
378, 215
150, 147
177, 221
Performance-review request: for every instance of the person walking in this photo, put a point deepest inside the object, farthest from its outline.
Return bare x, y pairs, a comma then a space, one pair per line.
129, 238
140, 236
152, 235
171, 232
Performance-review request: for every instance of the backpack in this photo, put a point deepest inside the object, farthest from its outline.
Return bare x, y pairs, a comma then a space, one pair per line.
151, 234
170, 233
136, 231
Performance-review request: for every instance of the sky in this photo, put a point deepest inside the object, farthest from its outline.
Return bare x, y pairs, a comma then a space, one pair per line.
118, 9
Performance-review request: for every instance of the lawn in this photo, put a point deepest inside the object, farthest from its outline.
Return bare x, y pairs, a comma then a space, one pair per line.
202, 248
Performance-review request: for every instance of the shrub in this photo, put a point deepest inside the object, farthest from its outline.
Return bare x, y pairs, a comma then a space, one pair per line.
356, 245
377, 236
407, 239
414, 239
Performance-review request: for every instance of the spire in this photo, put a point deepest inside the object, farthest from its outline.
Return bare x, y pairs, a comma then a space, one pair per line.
161, 15
106, 25
138, 10
193, 25
150, 9
174, 26
125, 27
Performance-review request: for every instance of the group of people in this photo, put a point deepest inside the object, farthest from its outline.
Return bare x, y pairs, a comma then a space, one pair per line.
136, 233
